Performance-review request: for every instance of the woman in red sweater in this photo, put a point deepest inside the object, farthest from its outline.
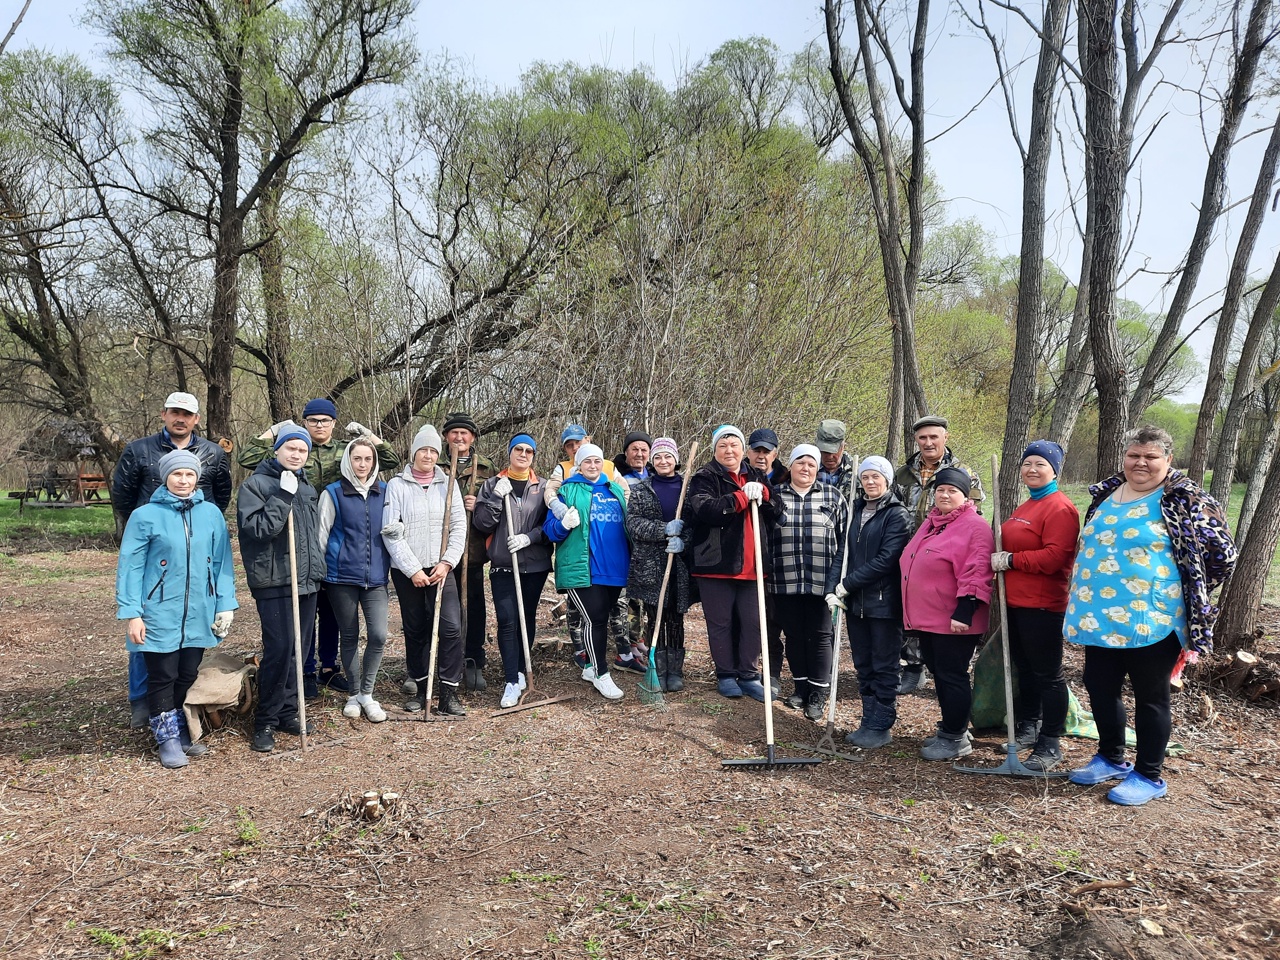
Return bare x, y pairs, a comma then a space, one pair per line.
1039, 542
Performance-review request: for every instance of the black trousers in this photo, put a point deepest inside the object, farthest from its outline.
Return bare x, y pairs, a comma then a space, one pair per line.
773, 633
1148, 670
277, 674
806, 621
596, 604
417, 613
875, 643
169, 677
732, 612
507, 610
325, 639
948, 656
671, 630
476, 614
1035, 646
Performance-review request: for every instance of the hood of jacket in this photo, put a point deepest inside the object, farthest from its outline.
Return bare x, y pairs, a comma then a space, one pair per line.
166, 496
362, 487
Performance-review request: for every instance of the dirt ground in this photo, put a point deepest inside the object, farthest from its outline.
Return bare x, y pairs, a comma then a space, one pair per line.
587, 828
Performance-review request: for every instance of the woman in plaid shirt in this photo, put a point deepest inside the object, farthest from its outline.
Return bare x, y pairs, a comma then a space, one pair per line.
805, 547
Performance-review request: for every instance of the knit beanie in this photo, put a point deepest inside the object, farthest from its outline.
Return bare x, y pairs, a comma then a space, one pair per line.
805, 450
587, 450
664, 445
463, 420
179, 460
522, 438
428, 436
955, 477
635, 435
1047, 449
320, 407
727, 430
880, 465
291, 431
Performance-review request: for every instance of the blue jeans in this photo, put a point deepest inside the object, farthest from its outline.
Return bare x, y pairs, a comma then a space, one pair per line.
137, 676
502, 583
347, 601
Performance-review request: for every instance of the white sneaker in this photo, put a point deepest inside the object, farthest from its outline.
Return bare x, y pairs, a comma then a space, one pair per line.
608, 689
372, 708
521, 682
589, 673
351, 709
511, 696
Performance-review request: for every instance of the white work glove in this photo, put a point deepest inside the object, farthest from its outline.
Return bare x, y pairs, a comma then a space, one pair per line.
1001, 561
358, 430
571, 518
753, 490
841, 592
517, 542
674, 528
502, 488
833, 602
277, 427
559, 508
289, 482
222, 623
394, 530
675, 545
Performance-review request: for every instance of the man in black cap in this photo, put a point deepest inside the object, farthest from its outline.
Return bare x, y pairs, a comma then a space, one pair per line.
762, 451
912, 479
460, 432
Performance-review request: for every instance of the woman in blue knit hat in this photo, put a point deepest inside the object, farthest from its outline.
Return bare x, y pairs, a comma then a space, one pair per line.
1039, 541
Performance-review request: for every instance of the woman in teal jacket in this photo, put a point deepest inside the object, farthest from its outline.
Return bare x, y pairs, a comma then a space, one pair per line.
175, 589
593, 555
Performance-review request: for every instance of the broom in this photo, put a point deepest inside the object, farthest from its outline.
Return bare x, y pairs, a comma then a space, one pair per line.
650, 688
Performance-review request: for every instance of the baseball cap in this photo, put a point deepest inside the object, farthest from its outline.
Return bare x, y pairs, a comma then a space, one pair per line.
762, 438
182, 401
830, 436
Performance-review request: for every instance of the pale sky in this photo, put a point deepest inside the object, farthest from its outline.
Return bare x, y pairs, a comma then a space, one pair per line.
976, 163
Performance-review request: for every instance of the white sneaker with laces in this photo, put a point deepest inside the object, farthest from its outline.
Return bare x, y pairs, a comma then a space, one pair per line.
351, 709
372, 708
589, 673
608, 689
510, 696
521, 683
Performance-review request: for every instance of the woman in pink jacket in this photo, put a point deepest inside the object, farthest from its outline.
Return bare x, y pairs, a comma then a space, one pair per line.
946, 589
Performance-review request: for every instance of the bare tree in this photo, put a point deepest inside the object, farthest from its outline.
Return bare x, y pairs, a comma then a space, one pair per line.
899, 226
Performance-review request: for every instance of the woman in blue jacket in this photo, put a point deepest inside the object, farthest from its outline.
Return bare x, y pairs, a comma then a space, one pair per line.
175, 590
357, 568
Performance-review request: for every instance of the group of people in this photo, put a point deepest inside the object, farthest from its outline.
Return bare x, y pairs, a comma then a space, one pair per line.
902, 555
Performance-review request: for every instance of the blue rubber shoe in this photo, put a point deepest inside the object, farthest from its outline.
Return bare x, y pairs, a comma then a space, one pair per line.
752, 688
1099, 770
1135, 790
728, 687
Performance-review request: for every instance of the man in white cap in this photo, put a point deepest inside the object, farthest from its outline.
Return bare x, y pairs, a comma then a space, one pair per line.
137, 476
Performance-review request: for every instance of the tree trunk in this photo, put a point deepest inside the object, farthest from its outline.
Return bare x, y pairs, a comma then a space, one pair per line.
1030, 309
1257, 478
1234, 107
275, 301
1242, 596
1224, 464
1224, 338
1107, 161
1077, 369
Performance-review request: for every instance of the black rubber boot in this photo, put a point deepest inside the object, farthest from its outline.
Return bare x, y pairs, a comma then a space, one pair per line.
661, 659
675, 670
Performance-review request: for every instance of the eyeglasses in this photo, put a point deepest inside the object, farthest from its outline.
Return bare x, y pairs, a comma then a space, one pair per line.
319, 422
523, 450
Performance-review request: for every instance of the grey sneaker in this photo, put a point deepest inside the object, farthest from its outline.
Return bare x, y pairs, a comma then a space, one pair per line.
944, 749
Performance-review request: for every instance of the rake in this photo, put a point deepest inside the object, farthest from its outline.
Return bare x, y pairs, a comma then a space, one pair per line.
768, 761
527, 699
1012, 766
650, 688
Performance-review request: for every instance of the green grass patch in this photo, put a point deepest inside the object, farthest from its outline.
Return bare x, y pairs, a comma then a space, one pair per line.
54, 523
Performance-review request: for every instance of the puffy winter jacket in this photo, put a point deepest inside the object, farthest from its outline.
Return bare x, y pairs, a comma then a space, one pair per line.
421, 511
137, 473
351, 528
175, 572
528, 512
873, 578
262, 515
948, 558
646, 527
716, 511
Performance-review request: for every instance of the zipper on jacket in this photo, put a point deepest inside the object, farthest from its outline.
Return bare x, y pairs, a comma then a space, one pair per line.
159, 585
186, 593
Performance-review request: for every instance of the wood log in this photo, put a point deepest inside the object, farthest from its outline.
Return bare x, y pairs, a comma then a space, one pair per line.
1267, 688
1235, 673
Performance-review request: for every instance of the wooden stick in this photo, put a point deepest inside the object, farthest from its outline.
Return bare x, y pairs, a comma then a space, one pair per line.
466, 545
764, 631
1004, 606
435, 619
297, 629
